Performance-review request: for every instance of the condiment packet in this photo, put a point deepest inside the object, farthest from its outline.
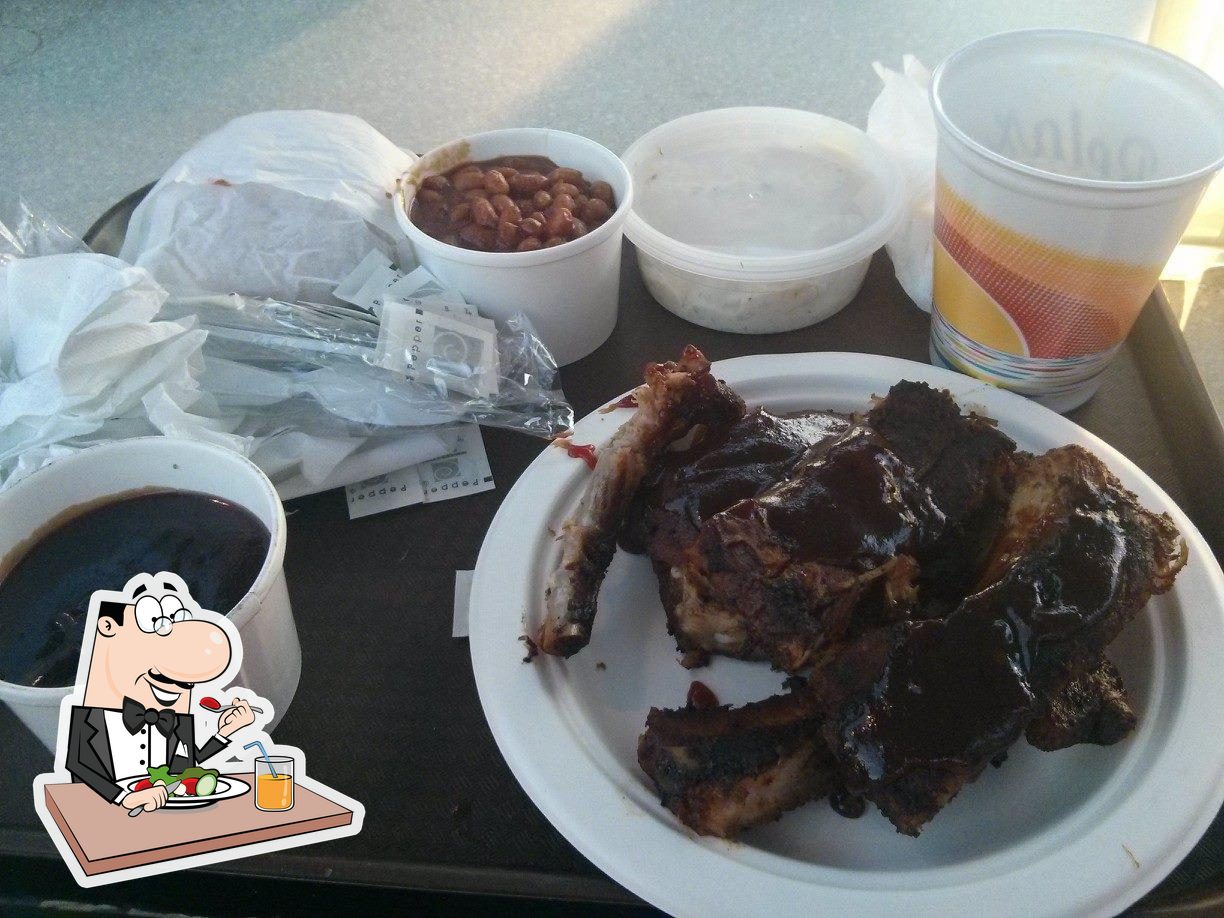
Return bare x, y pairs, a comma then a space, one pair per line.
436, 350
439, 305
419, 282
373, 290
375, 264
426, 332
463, 597
461, 471
378, 279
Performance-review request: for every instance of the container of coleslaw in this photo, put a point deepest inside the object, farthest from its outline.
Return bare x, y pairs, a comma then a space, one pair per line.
758, 220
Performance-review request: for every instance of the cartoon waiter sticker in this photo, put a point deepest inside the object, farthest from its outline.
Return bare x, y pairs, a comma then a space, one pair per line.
139, 736
149, 651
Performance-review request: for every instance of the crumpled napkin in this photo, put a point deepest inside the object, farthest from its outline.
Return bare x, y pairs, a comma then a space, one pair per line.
88, 355
85, 360
80, 353
280, 204
901, 121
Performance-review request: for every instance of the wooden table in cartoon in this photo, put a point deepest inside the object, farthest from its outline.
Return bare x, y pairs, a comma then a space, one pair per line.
104, 838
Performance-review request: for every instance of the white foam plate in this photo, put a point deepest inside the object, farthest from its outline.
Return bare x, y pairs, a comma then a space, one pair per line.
1087, 830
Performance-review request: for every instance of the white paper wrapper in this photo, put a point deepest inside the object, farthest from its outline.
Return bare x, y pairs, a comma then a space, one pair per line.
901, 121
302, 464
281, 204
87, 356
80, 354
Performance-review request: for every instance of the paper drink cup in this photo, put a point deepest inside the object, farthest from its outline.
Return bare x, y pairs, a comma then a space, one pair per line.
1069, 164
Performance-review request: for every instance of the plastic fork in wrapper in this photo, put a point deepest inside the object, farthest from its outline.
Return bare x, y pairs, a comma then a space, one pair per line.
93, 350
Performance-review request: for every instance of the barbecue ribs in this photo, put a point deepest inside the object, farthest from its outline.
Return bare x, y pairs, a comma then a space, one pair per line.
915, 711
676, 399
1088, 708
946, 592
779, 537
721, 770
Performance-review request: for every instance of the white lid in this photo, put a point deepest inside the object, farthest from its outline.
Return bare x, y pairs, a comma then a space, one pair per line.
761, 193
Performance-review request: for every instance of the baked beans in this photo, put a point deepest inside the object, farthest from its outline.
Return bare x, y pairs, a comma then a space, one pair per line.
510, 204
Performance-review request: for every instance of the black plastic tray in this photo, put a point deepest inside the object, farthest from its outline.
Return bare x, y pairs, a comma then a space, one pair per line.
387, 708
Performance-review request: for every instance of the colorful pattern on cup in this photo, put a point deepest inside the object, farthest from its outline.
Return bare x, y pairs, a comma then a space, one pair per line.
1011, 308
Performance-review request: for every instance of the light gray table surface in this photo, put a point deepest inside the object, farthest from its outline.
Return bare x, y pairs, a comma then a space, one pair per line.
97, 98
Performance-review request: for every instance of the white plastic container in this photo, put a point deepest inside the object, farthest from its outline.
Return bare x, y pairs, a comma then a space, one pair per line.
272, 656
1068, 166
570, 292
759, 220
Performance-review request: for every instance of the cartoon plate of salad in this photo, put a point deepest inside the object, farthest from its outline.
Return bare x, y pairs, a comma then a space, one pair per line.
198, 787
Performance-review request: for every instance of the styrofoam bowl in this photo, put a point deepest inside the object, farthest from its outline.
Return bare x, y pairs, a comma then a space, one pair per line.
272, 656
569, 292
757, 220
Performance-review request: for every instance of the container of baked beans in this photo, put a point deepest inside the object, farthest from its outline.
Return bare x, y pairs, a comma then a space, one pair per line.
524, 220
758, 220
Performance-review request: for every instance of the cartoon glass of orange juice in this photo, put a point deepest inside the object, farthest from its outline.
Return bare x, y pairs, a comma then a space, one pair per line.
274, 783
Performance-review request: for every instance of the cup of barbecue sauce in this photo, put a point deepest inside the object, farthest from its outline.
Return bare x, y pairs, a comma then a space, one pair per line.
96, 518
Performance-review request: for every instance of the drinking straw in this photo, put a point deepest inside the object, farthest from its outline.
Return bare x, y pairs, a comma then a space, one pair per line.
264, 753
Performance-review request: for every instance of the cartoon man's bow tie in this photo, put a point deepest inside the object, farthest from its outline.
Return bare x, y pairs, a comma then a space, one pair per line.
136, 715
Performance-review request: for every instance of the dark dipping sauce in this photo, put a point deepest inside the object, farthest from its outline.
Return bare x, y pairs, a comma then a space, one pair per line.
216, 546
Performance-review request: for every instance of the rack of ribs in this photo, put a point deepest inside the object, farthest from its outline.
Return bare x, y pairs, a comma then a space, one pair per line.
1091, 707
677, 400
945, 592
909, 713
724, 769
782, 536
915, 711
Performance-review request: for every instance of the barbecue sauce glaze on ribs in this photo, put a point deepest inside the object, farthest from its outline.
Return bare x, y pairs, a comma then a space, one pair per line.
945, 592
